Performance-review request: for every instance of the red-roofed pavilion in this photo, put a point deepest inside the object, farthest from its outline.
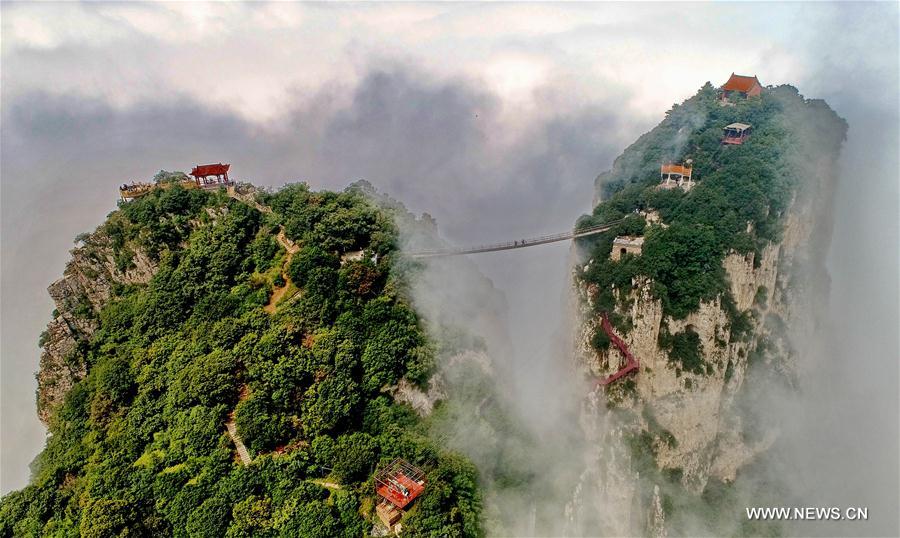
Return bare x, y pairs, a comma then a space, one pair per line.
207, 175
741, 85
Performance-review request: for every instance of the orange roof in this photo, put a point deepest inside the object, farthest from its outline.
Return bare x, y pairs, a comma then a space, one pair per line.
741, 83
675, 169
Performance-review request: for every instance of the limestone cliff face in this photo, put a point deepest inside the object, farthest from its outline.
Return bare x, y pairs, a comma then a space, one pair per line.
86, 286
694, 408
693, 421
699, 410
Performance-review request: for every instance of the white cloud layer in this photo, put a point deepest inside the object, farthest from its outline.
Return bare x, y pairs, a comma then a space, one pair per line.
255, 58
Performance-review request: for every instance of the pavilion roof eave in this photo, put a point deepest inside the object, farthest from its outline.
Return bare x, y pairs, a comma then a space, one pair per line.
741, 83
203, 170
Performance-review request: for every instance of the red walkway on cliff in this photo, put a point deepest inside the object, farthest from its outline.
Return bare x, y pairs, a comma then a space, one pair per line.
631, 363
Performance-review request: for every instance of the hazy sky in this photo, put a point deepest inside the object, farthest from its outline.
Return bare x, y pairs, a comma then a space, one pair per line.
494, 118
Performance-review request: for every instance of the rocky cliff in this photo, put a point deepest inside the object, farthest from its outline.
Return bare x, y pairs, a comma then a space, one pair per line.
117, 255
85, 287
680, 427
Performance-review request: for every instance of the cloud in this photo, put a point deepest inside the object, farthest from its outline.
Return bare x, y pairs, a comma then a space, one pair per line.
441, 146
248, 57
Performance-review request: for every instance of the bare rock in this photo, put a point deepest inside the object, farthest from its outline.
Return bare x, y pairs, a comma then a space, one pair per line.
422, 402
84, 289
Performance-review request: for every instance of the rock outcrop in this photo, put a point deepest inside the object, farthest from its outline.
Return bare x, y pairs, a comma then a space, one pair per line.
691, 422
421, 401
85, 288
695, 428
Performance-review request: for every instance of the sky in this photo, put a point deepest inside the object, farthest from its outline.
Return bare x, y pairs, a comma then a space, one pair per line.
493, 118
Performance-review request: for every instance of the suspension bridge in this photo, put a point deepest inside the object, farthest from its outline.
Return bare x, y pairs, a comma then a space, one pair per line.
631, 362
522, 243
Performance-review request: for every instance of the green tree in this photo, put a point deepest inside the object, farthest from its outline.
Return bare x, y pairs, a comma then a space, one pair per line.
355, 456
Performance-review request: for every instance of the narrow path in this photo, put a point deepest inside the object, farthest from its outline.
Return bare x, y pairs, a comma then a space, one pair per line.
279, 293
238, 443
231, 427
288, 245
248, 199
283, 240
326, 484
276, 297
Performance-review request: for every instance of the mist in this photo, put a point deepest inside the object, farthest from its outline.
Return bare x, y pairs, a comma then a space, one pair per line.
844, 424
65, 156
488, 169
838, 435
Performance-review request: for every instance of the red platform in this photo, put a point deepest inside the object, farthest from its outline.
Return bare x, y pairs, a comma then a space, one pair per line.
400, 483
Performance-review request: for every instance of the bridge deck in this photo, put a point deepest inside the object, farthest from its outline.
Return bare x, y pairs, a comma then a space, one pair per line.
509, 245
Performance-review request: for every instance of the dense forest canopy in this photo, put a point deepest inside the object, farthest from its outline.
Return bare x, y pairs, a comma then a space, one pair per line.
139, 447
738, 204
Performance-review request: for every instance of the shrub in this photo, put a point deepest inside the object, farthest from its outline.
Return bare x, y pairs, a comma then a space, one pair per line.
685, 350
600, 340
